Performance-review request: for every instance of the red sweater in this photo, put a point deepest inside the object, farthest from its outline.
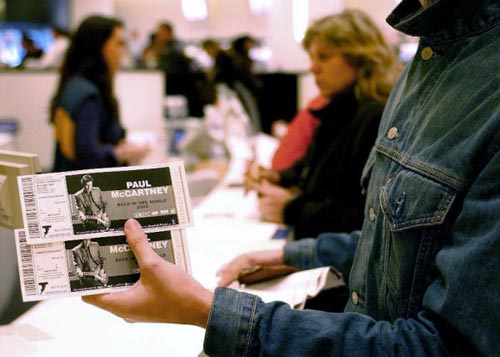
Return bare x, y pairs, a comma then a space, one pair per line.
293, 145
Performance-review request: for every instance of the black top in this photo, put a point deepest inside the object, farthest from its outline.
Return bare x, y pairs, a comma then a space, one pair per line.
329, 175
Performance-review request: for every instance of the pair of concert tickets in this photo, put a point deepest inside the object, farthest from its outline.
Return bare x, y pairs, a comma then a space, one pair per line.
73, 240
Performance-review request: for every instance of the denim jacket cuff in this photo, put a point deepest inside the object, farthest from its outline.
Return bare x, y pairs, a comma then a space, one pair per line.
231, 323
301, 254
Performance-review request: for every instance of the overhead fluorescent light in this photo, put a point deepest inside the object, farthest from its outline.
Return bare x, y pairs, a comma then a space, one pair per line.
260, 7
194, 10
300, 13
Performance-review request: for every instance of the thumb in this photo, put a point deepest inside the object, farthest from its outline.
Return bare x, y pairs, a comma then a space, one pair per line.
138, 242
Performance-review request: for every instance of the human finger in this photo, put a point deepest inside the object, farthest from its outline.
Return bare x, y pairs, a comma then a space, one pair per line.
138, 242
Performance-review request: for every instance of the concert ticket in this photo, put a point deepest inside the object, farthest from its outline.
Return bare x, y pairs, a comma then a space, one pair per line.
96, 203
89, 266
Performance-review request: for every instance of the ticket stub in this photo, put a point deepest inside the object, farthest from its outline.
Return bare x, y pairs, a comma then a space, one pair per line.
96, 203
89, 266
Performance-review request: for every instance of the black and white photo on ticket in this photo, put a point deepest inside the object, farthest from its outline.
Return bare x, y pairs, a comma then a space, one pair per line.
89, 266
96, 203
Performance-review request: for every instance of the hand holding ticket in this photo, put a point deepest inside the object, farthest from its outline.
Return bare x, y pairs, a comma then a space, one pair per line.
73, 242
89, 266
164, 293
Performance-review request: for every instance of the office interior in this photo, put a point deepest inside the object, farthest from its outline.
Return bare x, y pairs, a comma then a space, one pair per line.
153, 117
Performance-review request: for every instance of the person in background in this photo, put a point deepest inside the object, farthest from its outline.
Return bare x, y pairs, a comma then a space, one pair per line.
246, 83
31, 50
84, 110
181, 76
355, 69
223, 69
423, 275
54, 55
243, 63
151, 53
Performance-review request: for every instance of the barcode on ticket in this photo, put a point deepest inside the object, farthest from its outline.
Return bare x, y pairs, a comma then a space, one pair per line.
28, 196
26, 268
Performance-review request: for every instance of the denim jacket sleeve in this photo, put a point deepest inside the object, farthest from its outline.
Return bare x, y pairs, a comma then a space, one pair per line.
328, 249
241, 324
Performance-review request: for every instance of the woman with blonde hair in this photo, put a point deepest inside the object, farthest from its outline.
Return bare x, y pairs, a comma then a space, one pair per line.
355, 69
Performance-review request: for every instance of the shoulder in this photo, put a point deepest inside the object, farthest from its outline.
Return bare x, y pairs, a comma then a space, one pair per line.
79, 193
79, 84
77, 90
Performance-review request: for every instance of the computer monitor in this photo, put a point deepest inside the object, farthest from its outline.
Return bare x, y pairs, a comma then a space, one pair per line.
13, 164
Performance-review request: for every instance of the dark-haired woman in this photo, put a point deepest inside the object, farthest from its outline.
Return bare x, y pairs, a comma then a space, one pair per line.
84, 110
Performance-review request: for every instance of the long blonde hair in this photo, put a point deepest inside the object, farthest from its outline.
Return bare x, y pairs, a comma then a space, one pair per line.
364, 47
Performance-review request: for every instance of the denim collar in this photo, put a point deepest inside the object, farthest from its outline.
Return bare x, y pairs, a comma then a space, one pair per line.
445, 21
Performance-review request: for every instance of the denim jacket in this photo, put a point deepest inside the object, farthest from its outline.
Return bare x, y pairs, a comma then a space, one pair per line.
425, 269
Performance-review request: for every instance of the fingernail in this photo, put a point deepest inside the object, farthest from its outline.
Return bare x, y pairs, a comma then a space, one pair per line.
132, 224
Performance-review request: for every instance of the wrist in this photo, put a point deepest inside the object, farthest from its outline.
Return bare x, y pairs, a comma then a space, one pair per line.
204, 306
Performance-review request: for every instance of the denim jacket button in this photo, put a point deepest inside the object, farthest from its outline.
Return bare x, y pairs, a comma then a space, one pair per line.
392, 133
426, 53
355, 298
371, 214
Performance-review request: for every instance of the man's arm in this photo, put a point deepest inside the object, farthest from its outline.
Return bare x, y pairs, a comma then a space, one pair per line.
329, 249
165, 293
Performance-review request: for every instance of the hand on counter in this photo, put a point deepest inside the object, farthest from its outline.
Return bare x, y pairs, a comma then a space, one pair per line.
164, 293
230, 272
272, 201
255, 174
131, 153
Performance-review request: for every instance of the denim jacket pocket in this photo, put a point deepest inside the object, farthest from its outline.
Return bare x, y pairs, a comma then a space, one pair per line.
411, 200
415, 208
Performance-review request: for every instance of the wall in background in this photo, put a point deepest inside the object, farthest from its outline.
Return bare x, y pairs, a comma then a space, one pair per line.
227, 19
